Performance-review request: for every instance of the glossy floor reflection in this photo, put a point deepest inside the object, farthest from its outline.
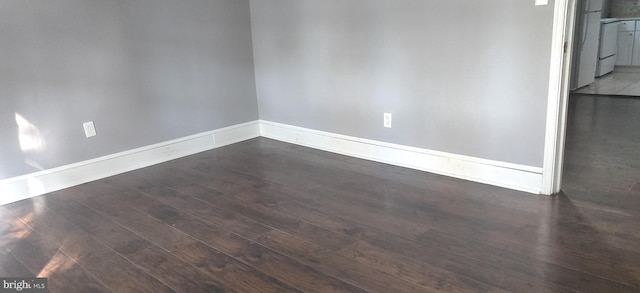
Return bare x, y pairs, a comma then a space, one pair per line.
267, 216
602, 160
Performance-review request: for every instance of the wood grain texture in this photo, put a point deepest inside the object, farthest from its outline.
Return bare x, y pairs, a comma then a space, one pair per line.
266, 216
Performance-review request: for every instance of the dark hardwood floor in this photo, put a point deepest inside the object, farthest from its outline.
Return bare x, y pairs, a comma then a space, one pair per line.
266, 216
602, 164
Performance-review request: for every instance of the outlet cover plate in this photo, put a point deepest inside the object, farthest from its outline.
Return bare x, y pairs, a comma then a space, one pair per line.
387, 120
89, 129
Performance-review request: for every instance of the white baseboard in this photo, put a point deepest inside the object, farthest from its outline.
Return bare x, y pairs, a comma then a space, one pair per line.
23, 187
513, 176
508, 175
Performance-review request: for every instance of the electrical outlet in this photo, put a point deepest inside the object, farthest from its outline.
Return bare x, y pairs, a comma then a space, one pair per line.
89, 129
542, 2
387, 120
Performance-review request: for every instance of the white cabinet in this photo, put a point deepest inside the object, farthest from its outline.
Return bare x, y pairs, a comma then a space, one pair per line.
635, 61
627, 26
626, 41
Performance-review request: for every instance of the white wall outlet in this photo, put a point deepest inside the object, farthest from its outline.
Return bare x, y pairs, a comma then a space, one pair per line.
387, 120
89, 129
542, 2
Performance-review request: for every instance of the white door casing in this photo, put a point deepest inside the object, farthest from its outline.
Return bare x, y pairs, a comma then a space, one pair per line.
561, 51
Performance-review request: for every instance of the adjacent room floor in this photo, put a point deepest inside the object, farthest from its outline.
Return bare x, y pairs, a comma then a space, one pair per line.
602, 160
266, 216
616, 83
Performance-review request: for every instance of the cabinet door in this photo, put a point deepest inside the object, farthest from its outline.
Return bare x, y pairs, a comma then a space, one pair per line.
625, 48
635, 61
627, 26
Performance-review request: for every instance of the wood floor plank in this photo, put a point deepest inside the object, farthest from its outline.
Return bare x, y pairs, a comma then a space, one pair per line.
413, 271
169, 269
175, 272
352, 213
525, 268
427, 187
230, 199
418, 190
622, 273
281, 221
539, 269
243, 277
44, 260
310, 200
500, 227
363, 275
11, 267
92, 255
28, 247
149, 228
120, 239
344, 224
279, 266
66, 275
602, 156
233, 221
240, 276
373, 196
496, 276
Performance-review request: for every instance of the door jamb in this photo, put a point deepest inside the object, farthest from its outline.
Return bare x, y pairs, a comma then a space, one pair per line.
561, 54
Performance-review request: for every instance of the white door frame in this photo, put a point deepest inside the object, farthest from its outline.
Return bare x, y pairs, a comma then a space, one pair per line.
561, 52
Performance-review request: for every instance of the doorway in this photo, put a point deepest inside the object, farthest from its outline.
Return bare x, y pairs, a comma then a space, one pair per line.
602, 141
615, 45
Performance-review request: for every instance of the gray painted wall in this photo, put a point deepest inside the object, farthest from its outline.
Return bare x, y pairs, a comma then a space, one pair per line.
624, 8
145, 71
460, 76
606, 8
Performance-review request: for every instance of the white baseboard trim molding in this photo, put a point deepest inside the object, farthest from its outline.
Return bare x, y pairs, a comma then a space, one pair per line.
508, 175
35, 184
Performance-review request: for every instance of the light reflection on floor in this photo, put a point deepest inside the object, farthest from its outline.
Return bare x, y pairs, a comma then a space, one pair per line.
616, 83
